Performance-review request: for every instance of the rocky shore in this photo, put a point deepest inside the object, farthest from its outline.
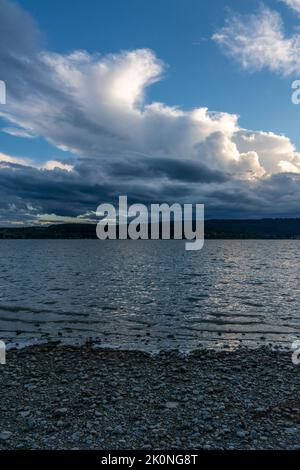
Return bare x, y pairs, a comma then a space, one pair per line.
59, 397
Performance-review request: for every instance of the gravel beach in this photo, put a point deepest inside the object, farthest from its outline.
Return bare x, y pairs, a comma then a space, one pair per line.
60, 397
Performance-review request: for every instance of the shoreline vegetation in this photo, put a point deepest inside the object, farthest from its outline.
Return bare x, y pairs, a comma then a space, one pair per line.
66, 397
277, 229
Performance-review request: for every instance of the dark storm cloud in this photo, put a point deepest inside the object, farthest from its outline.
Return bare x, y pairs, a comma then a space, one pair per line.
90, 183
69, 194
173, 169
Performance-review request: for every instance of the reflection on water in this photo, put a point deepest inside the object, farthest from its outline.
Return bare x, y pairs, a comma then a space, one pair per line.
150, 294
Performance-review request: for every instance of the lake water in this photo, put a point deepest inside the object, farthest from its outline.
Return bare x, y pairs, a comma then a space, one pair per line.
150, 294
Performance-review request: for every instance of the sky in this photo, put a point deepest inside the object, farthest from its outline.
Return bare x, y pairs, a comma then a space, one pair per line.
173, 101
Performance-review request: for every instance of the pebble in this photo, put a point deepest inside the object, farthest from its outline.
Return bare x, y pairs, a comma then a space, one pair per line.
291, 430
171, 404
5, 435
119, 404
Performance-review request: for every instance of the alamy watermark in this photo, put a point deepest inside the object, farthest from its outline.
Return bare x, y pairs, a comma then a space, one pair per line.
296, 353
296, 94
136, 222
2, 353
2, 92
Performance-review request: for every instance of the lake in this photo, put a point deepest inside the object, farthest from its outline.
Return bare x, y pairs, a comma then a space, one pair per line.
150, 295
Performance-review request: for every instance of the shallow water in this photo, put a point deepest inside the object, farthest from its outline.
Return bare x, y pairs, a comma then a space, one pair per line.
150, 294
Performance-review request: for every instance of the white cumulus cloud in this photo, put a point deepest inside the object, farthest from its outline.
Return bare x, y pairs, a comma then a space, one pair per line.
294, 4
94, 106
259, 41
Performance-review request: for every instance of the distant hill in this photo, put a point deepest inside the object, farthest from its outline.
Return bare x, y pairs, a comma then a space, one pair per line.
57, 231
214, 229
261, 228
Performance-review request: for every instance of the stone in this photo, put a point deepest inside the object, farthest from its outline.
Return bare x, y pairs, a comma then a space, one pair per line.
5, 435
171, 405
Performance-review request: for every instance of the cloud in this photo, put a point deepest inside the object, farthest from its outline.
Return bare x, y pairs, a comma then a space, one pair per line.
54, 219
4, 158
259, 41
165, 168
14, 131
294, 4
95, 107
53, 164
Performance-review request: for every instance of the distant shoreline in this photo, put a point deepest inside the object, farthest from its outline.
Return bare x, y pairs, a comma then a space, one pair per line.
223, 229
